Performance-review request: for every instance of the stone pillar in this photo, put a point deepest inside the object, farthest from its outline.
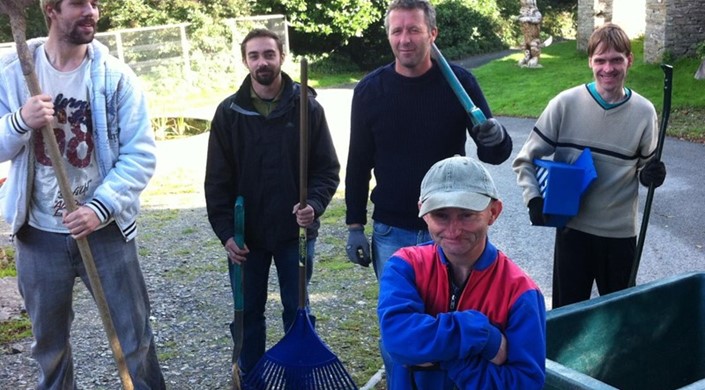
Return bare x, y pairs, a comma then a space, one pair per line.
655, 34
591, 14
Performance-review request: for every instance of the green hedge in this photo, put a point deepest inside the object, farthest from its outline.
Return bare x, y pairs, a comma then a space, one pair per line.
464, 30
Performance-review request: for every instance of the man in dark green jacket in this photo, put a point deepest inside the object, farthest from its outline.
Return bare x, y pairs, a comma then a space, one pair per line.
253, 151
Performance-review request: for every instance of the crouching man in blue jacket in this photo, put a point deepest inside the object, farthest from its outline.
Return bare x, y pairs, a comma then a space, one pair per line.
456, 313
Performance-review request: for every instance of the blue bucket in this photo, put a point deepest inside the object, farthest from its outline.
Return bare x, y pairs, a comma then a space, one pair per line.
562, 186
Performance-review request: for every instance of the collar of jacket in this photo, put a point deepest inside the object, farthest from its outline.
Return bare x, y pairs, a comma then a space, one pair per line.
291, 91
488, 256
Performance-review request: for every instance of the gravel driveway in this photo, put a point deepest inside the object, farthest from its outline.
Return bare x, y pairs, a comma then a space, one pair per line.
186, 275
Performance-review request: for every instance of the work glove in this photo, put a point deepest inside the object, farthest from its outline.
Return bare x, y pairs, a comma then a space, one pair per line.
654, 172
488, 133
358, 248
536, 212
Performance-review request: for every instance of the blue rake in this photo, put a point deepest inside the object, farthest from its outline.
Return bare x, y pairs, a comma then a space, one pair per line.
299, 361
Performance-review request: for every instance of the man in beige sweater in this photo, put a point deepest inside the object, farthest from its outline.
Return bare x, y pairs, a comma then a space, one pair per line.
620, 128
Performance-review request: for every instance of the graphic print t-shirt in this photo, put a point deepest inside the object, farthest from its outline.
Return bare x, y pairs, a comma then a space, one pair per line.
73, 130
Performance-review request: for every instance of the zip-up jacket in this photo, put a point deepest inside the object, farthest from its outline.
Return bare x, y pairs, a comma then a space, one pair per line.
122, 134
258, 157
419, 325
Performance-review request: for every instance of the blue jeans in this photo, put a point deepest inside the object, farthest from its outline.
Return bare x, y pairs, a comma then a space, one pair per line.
47, 267
256, 280
386, 240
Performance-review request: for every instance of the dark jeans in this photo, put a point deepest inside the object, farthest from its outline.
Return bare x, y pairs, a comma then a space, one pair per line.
256, 281
581, 258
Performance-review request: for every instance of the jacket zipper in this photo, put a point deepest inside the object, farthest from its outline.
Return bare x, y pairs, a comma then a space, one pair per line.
455, 291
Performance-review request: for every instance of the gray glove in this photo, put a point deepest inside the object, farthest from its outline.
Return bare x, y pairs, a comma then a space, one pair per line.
358, 248
488, 133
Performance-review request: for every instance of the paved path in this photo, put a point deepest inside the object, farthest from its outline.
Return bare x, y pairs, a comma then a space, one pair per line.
676, 233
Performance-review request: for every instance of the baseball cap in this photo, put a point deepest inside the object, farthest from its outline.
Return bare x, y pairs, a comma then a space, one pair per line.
457, 181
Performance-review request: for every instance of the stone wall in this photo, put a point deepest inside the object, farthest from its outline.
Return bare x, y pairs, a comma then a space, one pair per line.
668, 26
675, 27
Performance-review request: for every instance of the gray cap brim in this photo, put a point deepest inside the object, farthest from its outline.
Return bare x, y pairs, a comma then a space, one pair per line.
460, 199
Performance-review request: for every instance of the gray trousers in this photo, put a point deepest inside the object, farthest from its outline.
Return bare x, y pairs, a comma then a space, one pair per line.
47, 267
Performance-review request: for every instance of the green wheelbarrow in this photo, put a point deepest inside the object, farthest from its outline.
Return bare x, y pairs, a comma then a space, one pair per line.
647, 337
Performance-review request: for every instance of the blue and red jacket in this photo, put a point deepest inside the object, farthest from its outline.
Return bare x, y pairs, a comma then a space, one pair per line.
418, 325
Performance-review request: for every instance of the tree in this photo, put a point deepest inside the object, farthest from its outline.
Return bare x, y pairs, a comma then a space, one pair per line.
142, 13
319, 27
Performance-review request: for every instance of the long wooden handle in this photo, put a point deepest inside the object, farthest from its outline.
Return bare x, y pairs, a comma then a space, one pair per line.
303, 178
27, 62
303, 136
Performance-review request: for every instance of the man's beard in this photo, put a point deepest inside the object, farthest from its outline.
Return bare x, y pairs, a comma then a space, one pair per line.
80, 39
77, 37
265, 78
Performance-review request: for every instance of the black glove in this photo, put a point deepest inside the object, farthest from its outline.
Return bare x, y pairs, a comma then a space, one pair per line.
654, 172
488, 133
536, 212
358, 248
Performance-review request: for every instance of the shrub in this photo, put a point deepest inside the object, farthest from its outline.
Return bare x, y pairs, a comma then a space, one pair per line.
467, 29
559, 20
178, 127
371, 49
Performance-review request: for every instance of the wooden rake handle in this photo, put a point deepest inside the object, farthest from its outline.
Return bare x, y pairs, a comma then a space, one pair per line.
18, 24
303, 178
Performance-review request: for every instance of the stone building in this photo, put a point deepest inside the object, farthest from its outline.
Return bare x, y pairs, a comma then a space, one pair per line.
673, 27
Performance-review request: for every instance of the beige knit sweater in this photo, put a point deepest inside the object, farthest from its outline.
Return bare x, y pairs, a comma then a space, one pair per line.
621, 140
